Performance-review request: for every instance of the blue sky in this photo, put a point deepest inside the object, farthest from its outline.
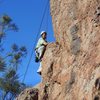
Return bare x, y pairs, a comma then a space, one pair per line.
27, 15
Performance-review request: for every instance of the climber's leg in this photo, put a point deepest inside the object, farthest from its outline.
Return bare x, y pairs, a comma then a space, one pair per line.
36, 56
41, 51
36, 53
40, 68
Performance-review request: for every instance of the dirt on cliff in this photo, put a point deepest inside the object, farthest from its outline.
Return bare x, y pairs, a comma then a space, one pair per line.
71, 65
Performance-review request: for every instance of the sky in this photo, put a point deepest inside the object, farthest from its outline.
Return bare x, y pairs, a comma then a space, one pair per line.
27, 14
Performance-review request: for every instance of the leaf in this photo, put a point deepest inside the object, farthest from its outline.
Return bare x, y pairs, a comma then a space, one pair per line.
17, 56
2, 65
13, 27
23, 49
10, 74
15, 47
6, 19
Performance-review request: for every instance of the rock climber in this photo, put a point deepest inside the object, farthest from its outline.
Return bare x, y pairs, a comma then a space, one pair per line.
40, 49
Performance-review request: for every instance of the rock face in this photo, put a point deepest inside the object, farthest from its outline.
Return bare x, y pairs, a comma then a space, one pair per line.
28, 94
71, 65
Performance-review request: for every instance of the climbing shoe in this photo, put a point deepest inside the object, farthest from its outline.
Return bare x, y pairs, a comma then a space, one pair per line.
39, 73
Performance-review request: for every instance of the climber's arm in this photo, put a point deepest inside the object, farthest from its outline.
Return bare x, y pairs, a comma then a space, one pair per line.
45, 43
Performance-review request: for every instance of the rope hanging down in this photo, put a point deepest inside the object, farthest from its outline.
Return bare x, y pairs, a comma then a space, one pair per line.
35, 41
47, 17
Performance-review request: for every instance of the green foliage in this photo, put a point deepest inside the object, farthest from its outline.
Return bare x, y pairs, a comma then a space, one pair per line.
14, 47
6, 24
9, 79
9, 83
2, 64
23, 49
17, 54
6, 19
2, 34
10, 74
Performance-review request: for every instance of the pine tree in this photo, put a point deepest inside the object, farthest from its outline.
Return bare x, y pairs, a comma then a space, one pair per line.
10, 86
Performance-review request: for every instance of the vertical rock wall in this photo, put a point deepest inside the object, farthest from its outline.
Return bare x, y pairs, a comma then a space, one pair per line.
71, 66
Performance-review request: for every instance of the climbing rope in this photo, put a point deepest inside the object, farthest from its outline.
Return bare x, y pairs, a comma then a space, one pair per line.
47, 19
35, 41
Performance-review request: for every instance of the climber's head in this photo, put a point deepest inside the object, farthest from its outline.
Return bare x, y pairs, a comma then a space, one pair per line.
43, 34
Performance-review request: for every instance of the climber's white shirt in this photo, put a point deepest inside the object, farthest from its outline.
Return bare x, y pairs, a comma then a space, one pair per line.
41, 41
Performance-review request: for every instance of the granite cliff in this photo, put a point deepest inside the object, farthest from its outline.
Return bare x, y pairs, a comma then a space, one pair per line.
71, 65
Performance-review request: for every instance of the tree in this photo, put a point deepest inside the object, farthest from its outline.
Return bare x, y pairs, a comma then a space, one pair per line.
9, 83
10, 86
6, 24
16, 55
2, 64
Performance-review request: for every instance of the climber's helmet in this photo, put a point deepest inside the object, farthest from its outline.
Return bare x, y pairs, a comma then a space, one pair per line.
43, 32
